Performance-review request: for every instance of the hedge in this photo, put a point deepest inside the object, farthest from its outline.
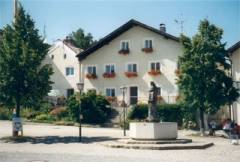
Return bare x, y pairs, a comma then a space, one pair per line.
167, 112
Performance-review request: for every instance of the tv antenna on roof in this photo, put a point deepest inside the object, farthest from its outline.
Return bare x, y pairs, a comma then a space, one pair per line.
180, 22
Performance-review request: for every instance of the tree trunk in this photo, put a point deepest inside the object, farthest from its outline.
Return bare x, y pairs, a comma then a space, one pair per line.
15, 133
202, 122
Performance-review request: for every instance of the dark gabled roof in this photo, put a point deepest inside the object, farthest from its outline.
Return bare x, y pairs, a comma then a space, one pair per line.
234, 47
119, 31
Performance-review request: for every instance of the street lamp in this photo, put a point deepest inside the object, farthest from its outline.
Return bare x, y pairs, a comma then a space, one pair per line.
124, 90
80, 87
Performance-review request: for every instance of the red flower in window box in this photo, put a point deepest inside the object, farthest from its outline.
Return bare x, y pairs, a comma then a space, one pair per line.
109, 75
159, 98
111, 99
91, 76
124, 51
154, 72
131, 74
147, 50
178, 98
177, 72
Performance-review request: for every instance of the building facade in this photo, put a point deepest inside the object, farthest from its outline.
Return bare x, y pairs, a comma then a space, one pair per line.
62, 57
235, 59
132, 56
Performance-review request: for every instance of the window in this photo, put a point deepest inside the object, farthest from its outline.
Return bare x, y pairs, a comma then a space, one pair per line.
132, 67
155, 66
65, 56
124, 45
70, 92
91, 70
159, 91
69, 71
109, 69
52, 57
148, 43
110, 92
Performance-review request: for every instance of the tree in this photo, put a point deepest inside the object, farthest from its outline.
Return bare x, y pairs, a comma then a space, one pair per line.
24, 80
82, 40
204, 65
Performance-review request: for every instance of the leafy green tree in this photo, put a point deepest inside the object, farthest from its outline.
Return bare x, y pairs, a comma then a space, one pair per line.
204, 66
95, 107
24, 80
82, 40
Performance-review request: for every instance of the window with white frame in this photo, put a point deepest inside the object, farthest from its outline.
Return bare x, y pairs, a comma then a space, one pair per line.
124, 45
109, 69
110, 92
132, 67
148, 43
155, 66
91, 69
69, 71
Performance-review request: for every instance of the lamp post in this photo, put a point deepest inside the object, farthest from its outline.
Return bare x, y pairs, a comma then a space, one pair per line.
124, 89
80, 87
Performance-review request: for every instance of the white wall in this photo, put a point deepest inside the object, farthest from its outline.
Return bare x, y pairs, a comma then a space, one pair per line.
164, 50
235, 57
59, 64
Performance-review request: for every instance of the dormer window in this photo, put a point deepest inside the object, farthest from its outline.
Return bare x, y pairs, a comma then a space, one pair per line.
124, 47
148, 46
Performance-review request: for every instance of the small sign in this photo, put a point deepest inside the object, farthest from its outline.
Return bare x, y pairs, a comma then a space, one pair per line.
17, 124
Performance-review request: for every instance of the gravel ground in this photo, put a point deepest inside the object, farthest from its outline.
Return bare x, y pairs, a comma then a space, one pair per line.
60, 144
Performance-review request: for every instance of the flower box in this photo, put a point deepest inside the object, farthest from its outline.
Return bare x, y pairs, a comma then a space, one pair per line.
131, 74
159, 98
177, 97
111, 99
91, 76
124, 51
177, 72
154, 72
147, 50
109, 75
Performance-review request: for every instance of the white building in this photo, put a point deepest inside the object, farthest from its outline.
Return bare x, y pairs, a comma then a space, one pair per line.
132, 55
62, 57
235, 57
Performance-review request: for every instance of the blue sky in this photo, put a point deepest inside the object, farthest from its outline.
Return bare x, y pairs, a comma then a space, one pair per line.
100, 17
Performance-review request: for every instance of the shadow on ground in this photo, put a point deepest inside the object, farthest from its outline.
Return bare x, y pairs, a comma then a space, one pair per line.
56, 139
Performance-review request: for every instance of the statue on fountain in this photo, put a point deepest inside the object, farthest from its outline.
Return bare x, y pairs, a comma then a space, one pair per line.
152, 103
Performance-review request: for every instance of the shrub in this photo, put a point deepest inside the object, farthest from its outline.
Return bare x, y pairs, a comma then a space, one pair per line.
59, 112
167, 112
29, 113
45, 117
95, 108
5, 113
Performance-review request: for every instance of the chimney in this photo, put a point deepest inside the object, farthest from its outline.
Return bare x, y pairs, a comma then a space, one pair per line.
162, 27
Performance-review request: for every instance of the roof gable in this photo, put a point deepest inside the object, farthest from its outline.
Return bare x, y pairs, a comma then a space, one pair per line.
119, 31
234, 47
